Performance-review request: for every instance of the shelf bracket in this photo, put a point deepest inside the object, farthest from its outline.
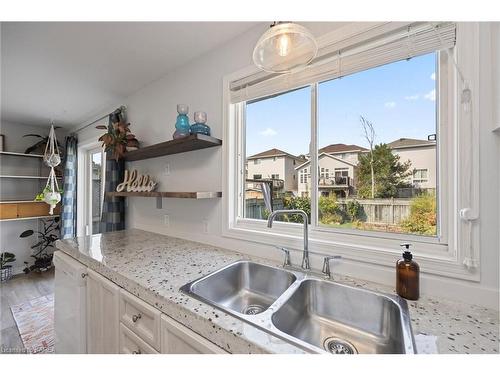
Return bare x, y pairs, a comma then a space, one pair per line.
159, 203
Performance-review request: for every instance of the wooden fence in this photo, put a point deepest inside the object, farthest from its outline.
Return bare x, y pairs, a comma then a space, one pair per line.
382, 211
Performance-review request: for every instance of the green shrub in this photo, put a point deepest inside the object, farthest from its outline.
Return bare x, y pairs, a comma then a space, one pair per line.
330, 218
423, 215
297, 203
354, 210
330, 212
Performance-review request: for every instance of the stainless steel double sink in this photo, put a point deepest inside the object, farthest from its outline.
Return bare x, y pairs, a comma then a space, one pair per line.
316, 315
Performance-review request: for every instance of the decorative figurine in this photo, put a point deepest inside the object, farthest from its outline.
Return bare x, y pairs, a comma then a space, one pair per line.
182, 123
200, 118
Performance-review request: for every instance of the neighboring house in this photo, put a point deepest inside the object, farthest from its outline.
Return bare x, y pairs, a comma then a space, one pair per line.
342, 151
336, 175
422, 155
276, 165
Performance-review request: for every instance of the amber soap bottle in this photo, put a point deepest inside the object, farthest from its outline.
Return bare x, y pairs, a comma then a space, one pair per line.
407, 275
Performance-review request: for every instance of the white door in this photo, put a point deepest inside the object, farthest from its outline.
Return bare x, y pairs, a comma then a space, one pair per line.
102, 314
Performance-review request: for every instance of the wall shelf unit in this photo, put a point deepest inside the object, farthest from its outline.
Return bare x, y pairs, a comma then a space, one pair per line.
175, 146
25, 209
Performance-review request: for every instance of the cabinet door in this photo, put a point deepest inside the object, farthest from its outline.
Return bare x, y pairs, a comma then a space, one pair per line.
178, 339
102, 314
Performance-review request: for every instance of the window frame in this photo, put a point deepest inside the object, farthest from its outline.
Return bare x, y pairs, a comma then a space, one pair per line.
441, 256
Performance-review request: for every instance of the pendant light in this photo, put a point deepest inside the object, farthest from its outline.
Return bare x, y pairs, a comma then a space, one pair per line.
284, 47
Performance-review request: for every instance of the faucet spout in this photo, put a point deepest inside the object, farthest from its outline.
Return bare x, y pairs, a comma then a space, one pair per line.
305, 218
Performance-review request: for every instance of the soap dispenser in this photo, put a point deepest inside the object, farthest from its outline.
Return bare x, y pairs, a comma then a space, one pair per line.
407, 275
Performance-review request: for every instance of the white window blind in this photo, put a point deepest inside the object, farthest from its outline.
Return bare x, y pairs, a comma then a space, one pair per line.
412, 40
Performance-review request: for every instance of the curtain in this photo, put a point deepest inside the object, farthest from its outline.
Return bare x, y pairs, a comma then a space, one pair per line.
113, 210
68, 227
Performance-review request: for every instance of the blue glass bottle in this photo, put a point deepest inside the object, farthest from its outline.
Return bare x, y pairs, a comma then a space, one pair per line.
182, 122
199, 126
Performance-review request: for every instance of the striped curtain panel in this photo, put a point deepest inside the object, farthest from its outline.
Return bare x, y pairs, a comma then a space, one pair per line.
68, 227
113, 210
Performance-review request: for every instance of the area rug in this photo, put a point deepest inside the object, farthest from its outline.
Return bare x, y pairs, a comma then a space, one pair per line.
35, 322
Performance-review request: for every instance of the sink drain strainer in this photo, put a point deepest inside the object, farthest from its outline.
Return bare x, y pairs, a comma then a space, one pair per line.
252, 309
335, 345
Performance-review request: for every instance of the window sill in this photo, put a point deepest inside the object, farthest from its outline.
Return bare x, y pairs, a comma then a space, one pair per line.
434, 258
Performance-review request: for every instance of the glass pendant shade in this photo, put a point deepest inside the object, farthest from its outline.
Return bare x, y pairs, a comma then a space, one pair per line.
285, 47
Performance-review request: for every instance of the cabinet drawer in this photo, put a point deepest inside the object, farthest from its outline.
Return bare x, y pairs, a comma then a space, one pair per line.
130, 343
178, 339
141, 318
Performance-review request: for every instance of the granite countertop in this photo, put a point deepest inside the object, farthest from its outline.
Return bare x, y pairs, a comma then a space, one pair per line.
154, 267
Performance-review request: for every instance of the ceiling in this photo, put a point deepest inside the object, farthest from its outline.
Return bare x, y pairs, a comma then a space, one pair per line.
72, 71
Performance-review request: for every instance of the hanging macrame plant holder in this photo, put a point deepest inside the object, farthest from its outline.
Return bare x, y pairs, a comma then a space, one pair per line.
51, 157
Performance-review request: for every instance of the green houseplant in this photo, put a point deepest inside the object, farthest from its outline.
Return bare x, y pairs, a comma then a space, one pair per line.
46, 239
6, 269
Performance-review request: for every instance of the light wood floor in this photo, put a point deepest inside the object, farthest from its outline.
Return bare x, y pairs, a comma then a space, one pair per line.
20, 288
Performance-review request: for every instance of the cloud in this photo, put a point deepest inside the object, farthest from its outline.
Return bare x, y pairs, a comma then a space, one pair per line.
268, 132
390, 104
433, 76
431, 95
412, 97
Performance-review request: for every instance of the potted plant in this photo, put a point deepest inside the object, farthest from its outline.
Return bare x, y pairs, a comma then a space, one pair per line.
46, 239
6, 269
118, 139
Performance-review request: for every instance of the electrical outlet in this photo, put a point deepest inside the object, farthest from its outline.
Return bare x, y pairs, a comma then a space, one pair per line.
166, 220
205, 226
167, 169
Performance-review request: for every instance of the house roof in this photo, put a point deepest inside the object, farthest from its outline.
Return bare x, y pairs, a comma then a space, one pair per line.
339, 148
410, 142
322, 155
272, 153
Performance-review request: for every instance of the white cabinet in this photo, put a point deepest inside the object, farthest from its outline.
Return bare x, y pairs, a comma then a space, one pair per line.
130, 343
142, 318
178, 339
117, 321
102, 314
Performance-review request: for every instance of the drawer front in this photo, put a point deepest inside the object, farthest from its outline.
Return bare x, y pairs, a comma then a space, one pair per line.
140, 318
178, 339
130, 343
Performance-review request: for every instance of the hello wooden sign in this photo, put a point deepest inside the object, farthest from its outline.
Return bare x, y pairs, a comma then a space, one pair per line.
134, 182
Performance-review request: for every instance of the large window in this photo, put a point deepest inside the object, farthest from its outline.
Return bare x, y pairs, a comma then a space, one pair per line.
402, 85
376, 155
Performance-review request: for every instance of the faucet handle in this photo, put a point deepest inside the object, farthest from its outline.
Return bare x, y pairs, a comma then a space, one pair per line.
286, 261
326, 265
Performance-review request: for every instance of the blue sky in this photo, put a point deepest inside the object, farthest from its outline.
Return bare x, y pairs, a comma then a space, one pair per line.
398, 98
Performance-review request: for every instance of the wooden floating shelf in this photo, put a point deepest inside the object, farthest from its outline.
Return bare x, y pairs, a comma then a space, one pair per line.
175, 146
8, 153
168, 194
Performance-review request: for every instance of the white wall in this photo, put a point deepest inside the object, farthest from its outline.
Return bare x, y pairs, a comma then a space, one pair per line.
20, 189
152, 113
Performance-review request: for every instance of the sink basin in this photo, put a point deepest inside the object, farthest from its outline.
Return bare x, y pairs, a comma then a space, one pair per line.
315, 315
345, 320
243, 287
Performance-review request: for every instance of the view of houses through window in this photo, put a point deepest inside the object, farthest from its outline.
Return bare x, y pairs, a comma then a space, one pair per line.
377, 161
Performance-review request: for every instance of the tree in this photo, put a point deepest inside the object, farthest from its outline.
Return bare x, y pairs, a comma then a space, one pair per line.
388, 171
370, 138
